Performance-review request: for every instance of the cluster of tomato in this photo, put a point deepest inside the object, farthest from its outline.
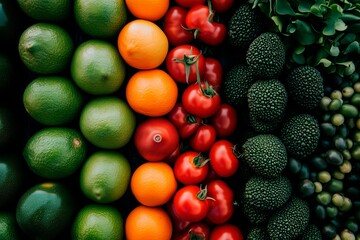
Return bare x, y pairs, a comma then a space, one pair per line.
194, 137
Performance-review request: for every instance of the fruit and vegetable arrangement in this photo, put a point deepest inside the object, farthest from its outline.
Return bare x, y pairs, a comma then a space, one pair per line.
180, 119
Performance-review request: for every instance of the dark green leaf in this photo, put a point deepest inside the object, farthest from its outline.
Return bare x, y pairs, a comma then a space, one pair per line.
334, 51
320, 55
305, 6
304, 33
298, 58
349, 67
352, 47
348, 17
282, 7
326, 62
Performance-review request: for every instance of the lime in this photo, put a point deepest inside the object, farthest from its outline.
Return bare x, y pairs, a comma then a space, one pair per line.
97, 67
107, 122
105, 176
45, 48
55, 152
45, 210
98, 222
52, 100
9, 229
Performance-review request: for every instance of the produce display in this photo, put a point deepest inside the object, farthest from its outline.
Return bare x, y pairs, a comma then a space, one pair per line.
180, 119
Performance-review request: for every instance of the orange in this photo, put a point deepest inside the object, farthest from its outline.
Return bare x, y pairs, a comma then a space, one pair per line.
153, 183
150, 223
151, 10
142, 44
151, 92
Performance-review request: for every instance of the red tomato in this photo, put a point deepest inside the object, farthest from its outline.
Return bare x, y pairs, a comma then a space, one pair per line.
172, 157
191, 168
221, 6
221, 208
223, 158
197, 15
196, 230
156, 138
186, 123
203, 139
185, 63
213, 72
189, 3
191, 203
174, 23
201, 100
226, 231
179, 225
225, 120
212, 33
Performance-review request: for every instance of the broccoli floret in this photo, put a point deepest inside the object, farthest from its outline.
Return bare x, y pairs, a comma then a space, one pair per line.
305, 87
244, 26
300, 135
261, 126
236, 84
255, 215
312, 232
267, 100
267, 194
290, 221
257, 233
266, 55
265, 154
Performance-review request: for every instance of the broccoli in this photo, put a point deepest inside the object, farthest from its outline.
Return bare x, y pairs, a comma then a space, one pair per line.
265, 154
261, 126
266, 55
290, 221
305, 87
257, 233
267, 194
255, 215
300, 134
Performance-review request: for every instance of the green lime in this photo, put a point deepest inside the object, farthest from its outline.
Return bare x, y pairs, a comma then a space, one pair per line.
45, 210
107, 122
45, 48
98, 222
100, 18
52, 100
9, 229
46, 10
55, 152
105, 176
97, 67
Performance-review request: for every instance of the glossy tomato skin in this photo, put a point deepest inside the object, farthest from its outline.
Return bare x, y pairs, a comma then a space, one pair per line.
213, 72
191, 168
189, 205
226, 231
198, 104
221, 6
225, 120
190, 3
196, 230
156, 138
223, 158
173, 156
186, 123
203, 139
221, 208
185, 56
212, 33
196, 16
174, 26
179, 225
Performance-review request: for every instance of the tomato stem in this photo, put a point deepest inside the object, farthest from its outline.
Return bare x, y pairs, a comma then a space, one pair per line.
189, 60
190, 118
200, 161
211, 11
202, 194
194, 236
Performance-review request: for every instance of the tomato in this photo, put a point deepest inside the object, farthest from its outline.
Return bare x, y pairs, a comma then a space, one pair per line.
212, 33
213, 72
226, 231
185, 63
200, 100
186, 123
156, 138
196, 230
191, 168
225, 120
191, 203
189, 3
221, 6
203, 139
179, 225
170, 159
174, 23
223, 159
197, 15
221, 208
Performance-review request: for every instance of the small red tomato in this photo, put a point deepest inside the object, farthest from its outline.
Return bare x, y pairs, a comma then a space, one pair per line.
203, 139
196, 230
212, 33
221, 6
191, 203
213, 72
156, 138
197, 15
225, 120
191, 168
226, 231
190, 3
179, 225
172, 157
223, 159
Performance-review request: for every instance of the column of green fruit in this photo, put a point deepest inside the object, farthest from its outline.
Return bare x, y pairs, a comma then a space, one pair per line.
79, 121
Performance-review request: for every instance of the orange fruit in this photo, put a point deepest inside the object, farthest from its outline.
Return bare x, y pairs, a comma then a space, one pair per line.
150, 223
151, 10
143, 44
151, 92
153, 183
